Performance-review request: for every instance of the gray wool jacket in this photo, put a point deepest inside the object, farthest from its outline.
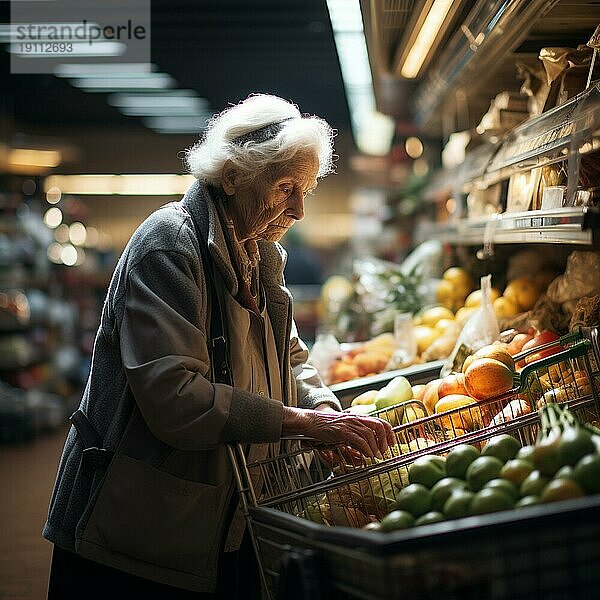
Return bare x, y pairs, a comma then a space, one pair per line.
160, 510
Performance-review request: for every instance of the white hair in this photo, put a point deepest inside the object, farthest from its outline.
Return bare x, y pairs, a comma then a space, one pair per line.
205, 160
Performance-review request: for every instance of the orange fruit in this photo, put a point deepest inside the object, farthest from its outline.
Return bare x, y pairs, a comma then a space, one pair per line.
487, 377
461, 419
498, 353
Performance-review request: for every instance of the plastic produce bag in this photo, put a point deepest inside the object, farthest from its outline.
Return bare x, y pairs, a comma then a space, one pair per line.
480, 329
323, 353
581, 278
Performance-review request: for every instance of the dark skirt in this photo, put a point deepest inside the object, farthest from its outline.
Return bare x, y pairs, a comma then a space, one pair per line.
72, 576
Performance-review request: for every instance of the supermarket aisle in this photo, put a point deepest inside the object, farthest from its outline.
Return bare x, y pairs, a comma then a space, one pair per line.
26, 474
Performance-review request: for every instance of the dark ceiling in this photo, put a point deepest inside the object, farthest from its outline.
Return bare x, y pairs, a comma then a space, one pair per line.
224, 50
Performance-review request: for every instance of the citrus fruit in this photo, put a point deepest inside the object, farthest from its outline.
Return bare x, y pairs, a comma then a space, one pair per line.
444, 325
414, 498
458, 503
566, 472
545, 454
503, 447
457, 420
490, 500
561, 489
424, 336
434, 314
427, 470
431, 517
526, 453
474, 298
459, 458
452, 384
374, 526
444, 293
487, 377
575, 443
505, 308
533, 484
459, 278
441, 491
527, 501
482, 470
587, 473
516, 470
504, 486
497, 352
397, 519
523, 291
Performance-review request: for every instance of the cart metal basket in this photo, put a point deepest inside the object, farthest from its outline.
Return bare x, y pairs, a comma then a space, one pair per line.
306, 504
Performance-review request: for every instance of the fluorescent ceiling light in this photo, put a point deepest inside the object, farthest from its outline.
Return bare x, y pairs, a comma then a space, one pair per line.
138, 81
121, 185
103, 69
26, 157
173, 98
177, 124
425, 38
175, 103
372, 131
345, 16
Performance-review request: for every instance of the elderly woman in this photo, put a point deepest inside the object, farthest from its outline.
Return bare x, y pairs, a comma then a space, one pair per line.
196, 348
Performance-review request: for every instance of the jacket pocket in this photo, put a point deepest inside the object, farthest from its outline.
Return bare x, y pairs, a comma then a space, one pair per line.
149, 515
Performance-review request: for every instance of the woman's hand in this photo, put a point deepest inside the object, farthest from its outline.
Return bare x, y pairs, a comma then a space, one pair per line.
369, 435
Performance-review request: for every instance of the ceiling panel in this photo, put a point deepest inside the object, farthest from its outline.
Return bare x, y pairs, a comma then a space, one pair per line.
223, 50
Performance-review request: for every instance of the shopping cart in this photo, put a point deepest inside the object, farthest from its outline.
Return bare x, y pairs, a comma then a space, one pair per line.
306, 505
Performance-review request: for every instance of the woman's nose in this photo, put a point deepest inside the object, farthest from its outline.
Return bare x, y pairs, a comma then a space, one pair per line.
296, 207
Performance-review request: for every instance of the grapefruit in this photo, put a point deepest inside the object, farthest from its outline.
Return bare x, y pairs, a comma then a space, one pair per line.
487, 378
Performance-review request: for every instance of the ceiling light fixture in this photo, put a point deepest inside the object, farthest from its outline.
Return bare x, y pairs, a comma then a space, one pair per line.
27, 157
169, 103
138, 81
178, 124
136, 184
422, 42
373, 131
102, 69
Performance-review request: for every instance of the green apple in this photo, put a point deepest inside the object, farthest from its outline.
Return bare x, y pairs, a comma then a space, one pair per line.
396, 391
367, 397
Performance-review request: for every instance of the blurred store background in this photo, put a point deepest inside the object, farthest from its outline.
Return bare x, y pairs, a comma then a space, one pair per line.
412, 87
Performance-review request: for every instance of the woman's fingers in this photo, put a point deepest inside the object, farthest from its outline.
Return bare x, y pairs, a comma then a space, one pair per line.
367, 431
381, 430
368, 435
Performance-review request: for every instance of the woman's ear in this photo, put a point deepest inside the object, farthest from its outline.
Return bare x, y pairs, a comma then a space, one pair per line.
229, 178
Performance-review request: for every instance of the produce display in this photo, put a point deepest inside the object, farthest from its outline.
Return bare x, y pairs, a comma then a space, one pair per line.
436, 326
564, 463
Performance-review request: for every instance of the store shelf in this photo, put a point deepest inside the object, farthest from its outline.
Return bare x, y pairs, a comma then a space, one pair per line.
575, 126
476, 52
576, 225
416, 374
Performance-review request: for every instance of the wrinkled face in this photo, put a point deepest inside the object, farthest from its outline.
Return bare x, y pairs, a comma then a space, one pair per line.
266, 208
